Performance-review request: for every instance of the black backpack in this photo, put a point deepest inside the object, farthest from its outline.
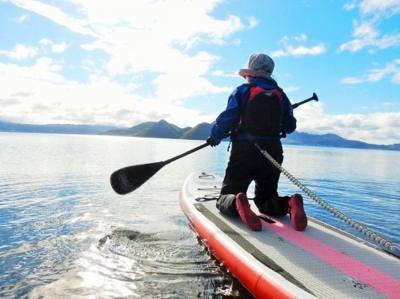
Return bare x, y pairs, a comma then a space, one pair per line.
262, 113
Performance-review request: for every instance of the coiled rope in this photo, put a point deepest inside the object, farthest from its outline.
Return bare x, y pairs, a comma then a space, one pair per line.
387, 245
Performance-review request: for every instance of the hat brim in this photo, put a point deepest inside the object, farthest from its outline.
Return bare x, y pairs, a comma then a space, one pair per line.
250, 73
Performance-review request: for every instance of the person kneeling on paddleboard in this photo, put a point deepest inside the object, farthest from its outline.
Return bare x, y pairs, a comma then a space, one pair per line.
259, 111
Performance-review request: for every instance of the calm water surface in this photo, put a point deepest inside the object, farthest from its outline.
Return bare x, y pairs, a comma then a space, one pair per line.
65, 233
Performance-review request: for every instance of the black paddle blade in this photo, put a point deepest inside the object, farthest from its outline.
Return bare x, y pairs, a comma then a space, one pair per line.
129, 178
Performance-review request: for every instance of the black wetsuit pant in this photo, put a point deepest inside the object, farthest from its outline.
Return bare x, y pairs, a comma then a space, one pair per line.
247, 164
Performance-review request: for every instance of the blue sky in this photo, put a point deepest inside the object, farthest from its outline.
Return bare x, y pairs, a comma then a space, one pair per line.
125, 62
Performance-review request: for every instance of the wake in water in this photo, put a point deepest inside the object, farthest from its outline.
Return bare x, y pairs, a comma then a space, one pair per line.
127, 263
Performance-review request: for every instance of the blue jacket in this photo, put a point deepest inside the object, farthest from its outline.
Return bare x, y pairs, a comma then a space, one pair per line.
229, 119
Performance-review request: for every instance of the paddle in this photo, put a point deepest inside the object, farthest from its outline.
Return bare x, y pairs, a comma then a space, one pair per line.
128, 179
313, 98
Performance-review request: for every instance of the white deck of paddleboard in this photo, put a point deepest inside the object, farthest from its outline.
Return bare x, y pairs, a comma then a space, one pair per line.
326, 276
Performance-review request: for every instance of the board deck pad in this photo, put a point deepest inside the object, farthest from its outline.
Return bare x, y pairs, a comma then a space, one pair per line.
321, 261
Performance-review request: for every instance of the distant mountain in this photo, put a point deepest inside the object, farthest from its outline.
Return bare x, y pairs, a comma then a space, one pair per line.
164, 129
323, 140
201, 131
56, 128
298, 138
161, 129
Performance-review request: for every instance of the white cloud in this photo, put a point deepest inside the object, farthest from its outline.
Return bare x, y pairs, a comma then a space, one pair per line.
175, 92
289, 89
45, 96
301, 38
300, 49
55, 47
21, 19
388, 104
366, 35
55, 14
381, 8
222, 73
396, 78
253, 22
45, 42
391, 69
20, 52
377, 128
60, 47
150, 37
365, 31
350, 5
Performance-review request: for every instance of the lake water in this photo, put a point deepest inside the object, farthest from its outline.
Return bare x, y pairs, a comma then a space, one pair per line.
65, 233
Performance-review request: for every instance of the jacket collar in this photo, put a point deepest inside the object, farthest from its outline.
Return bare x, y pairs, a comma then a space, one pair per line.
263, 82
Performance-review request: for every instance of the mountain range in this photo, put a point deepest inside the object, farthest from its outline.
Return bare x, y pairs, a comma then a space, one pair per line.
164, 129
54, 128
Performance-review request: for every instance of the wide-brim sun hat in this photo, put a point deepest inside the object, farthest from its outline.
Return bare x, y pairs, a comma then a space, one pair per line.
259, 65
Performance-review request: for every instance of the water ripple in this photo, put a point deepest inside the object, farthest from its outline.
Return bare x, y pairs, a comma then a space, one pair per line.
65, 233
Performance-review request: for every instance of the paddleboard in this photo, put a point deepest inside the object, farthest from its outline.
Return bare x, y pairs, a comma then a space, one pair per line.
279, 262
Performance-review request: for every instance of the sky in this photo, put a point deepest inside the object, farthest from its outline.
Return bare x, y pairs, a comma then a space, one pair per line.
125, 62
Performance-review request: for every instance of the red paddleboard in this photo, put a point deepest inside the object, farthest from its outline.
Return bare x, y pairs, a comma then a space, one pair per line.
279, 262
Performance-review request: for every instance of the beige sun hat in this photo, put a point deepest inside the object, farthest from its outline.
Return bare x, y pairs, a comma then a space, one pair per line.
259, 65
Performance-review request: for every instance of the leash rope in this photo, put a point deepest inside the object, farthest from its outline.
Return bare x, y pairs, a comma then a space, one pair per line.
388, 245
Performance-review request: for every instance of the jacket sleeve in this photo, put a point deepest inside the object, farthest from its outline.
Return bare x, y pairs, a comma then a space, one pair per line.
289, 122
228, 119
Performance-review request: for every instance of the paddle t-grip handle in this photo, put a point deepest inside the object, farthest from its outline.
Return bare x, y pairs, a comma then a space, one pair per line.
313, 98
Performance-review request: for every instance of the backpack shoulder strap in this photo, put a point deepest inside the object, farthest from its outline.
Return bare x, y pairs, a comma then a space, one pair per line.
255, 90
278, 93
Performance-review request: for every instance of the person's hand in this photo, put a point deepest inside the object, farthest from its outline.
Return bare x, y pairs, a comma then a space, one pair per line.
211, 141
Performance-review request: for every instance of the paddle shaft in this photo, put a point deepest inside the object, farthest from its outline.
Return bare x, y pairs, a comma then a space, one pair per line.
186, 153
